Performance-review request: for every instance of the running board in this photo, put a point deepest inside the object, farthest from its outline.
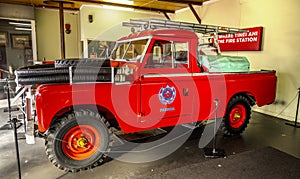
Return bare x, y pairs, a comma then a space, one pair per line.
194, 125
140, 135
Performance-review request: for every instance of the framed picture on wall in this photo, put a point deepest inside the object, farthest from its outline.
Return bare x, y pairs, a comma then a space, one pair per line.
3, 38
20, 41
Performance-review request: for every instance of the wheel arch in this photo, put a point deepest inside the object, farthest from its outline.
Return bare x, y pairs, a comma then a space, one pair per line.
110, 117
247, 95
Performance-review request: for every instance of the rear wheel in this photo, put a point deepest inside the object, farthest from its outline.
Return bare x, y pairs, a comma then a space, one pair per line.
79, 141
237, 116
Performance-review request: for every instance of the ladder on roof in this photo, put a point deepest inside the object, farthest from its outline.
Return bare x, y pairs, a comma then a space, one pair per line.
165, 24
212, 30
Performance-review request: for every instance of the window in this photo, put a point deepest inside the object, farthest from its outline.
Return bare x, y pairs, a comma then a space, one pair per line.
168, 54
181, 53
130, 51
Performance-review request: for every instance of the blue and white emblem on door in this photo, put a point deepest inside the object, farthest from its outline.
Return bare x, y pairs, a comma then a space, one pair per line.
167, 95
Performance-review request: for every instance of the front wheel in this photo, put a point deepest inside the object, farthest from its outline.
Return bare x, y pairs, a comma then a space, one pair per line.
78, 141
237, 116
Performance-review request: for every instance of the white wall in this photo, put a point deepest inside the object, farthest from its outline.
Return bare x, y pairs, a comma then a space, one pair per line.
107, 24
280, 41
48, 34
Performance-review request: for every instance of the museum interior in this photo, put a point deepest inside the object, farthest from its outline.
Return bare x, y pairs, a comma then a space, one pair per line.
149, 89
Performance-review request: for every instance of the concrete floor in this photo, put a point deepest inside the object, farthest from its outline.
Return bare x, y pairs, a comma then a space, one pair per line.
262, 131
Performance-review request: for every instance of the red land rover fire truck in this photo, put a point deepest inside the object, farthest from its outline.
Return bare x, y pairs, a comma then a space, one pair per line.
157, 77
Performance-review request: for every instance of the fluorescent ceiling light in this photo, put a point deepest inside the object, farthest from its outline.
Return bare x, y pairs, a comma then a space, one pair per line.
117, 8
24, 29
20, 24
128, 2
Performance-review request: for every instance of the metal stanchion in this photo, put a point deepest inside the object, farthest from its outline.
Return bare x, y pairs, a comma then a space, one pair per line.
297, 111
14, 122
215, 152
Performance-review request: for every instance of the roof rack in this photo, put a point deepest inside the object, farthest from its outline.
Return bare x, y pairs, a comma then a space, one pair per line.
197, 28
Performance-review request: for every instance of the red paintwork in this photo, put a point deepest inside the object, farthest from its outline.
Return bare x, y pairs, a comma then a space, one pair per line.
48, 62
136, 106
162, 33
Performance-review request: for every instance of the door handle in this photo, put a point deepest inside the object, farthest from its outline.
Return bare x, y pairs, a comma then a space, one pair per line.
185, 91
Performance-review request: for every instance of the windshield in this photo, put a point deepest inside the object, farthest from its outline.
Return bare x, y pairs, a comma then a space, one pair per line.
130, 51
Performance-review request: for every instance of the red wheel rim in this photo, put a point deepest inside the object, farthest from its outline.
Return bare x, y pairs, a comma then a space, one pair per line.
81, 142
237, 116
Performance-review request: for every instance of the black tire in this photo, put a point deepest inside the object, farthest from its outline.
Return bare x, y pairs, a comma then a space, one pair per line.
78, 131
237, 116
82, 62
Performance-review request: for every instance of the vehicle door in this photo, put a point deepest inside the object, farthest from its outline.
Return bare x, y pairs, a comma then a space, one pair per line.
166, 86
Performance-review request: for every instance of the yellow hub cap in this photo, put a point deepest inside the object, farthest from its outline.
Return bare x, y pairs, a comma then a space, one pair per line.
237, 116
81, 142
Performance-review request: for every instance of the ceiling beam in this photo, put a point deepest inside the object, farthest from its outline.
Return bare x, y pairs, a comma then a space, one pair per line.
166, 15
56, 2
124, 5
44, 6
183, 2
195, 13
56, 7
